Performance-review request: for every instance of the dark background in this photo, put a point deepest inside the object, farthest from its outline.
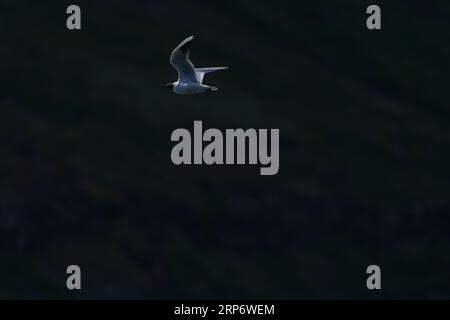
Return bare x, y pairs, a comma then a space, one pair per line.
86, 176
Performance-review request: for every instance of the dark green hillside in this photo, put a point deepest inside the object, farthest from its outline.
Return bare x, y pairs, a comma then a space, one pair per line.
86, 176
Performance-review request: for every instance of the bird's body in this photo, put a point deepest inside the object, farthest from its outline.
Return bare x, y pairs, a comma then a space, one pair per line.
190, 79
191, 87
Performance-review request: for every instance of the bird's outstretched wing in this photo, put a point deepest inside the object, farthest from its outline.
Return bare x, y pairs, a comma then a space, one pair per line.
202, 71
180, 60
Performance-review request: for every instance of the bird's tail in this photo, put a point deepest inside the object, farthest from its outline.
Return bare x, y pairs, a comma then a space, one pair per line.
212, 89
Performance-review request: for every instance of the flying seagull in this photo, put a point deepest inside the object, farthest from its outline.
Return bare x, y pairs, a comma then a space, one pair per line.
190, 79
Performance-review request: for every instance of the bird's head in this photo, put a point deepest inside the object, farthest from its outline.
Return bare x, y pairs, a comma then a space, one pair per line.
169, 85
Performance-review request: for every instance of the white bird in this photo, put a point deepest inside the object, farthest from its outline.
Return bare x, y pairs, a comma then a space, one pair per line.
190, 79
